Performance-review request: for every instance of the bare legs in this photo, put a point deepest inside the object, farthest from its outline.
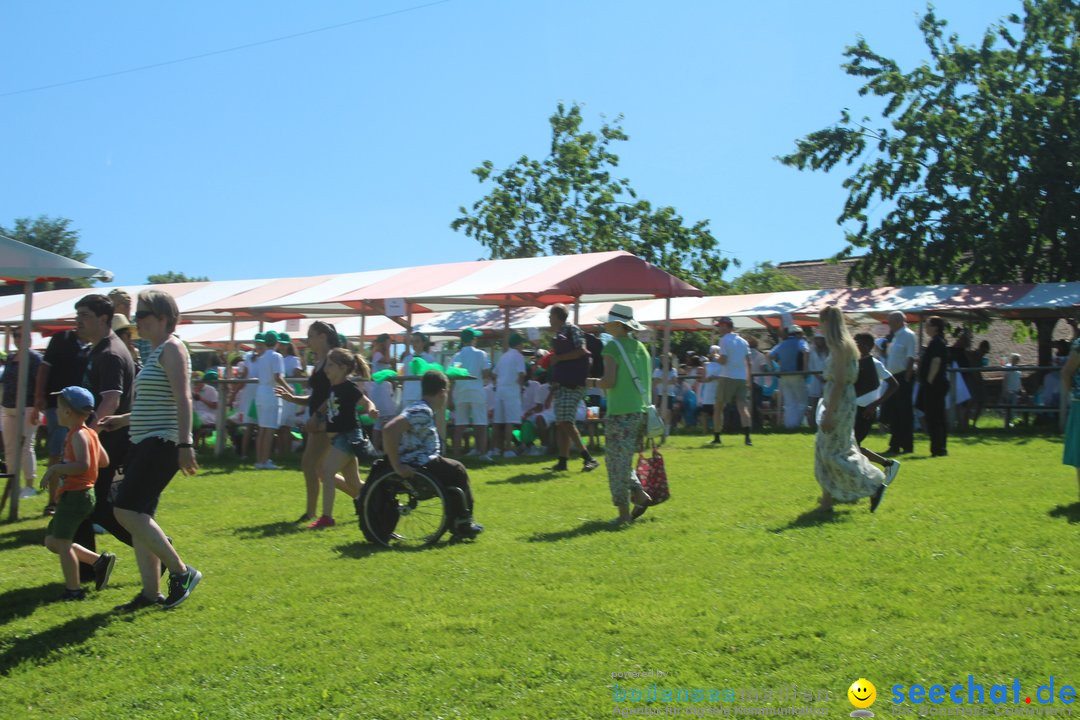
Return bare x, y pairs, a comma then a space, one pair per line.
152, 549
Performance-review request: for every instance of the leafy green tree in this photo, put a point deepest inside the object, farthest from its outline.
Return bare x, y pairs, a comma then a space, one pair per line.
976, 164
570, 202
54, 235
173, 277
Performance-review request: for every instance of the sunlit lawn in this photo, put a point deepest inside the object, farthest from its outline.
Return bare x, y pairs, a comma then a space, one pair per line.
969, 567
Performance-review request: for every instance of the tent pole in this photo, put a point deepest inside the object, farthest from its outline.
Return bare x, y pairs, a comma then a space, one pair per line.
223, 390
20, 400
665, 362
577, 310
506, 329
363, 332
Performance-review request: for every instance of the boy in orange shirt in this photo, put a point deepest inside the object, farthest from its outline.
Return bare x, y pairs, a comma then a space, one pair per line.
83, 455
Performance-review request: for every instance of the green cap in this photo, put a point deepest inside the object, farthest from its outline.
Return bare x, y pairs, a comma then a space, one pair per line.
468, 334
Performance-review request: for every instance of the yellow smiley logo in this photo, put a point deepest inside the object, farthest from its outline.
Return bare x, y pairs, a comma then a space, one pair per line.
862, 693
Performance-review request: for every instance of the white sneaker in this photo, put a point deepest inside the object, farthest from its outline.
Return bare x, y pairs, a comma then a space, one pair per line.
473, 453
269, 465
27, 492
486, 457
509, 454
535, 452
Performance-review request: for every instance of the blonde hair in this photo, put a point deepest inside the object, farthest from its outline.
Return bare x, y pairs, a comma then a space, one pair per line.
837, 337
354, 364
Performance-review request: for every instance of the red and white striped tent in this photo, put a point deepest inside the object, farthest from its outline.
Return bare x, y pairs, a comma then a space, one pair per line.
402, 292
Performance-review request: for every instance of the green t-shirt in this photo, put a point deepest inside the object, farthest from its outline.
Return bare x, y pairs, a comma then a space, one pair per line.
624, 398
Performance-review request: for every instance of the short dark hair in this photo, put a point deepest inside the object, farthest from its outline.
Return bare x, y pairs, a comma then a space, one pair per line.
937, 322
864, 338
97, 304
433, 382
559, 310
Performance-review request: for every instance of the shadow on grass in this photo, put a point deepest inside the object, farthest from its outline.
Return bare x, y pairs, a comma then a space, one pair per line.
257, 532
523, 478
589, 527
38, 647
361, 549
813, 518
1068, 512
24, 536
21, 602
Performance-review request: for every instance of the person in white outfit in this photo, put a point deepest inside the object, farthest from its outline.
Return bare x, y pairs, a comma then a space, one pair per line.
470, 404
509, 378
269, 369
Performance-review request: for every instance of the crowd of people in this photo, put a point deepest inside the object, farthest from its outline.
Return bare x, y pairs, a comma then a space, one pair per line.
123, 409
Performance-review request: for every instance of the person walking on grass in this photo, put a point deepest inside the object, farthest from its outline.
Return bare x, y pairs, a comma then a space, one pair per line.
343, 429
735, 379
1070, 388
322, 338
869, 397
160, 427
842, 471
568, 370
626, 380
76, 474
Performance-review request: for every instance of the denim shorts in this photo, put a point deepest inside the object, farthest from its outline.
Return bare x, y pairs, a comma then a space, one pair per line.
344, 441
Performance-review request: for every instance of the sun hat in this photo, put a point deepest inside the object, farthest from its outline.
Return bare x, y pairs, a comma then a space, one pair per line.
725, 320
77, 397
624, 314
795, 330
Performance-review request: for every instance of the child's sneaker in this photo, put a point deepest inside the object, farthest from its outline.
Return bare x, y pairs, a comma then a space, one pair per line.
103, 568
72, 595
322, 522
180, 586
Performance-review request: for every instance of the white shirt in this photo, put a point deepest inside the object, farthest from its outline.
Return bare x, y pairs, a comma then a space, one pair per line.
410, 389
290, 363
509, 368
707, 393
266, 366
900, 350
1012, 379
883, 375
735, 350
816, 364
475, 361
672, 384
208, 394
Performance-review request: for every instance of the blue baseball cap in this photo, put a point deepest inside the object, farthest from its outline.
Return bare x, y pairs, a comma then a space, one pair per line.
77, 397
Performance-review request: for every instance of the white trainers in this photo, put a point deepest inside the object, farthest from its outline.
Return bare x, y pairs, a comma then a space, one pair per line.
269, 465
535, 451
27, 492
486, 457
473, 453
509, 454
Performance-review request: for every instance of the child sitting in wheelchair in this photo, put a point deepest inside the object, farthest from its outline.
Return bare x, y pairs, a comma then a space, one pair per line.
412, 441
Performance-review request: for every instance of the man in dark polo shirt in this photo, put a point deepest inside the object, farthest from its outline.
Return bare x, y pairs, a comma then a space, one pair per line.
568, 370
110, 376
63, 365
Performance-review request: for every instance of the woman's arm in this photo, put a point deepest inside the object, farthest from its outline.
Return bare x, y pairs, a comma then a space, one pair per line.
173, 361
611, 373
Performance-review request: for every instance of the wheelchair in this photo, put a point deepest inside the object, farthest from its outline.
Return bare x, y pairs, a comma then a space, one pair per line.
404, 513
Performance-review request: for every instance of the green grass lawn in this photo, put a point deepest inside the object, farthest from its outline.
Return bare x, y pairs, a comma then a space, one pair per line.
970, 567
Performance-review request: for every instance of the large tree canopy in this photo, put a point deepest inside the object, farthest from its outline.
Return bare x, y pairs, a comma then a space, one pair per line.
54, 235
978, 164
570, 202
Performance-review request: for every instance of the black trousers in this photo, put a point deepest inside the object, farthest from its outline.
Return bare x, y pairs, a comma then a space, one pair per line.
898, 412
932, 403
116, 444
451, 473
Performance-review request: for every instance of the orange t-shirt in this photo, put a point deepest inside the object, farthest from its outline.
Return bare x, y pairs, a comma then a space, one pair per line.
84, 480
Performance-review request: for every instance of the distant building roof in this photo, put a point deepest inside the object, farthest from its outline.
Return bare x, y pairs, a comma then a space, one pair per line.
819, 274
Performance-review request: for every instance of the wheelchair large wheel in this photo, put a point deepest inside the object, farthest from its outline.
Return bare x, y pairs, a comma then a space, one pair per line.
403, 512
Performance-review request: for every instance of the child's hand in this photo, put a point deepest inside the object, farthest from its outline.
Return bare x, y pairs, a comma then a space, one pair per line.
45, 479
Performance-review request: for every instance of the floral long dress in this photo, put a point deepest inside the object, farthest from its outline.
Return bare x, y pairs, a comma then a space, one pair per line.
840, 468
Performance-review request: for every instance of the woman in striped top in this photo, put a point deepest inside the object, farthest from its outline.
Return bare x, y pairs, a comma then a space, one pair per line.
160, 427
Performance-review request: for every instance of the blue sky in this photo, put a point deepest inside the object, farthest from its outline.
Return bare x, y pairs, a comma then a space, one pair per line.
351, 149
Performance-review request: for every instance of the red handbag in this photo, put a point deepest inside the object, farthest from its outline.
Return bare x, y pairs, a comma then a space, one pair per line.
653, 476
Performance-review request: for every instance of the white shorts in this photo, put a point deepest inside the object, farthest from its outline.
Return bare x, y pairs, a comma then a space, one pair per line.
508, 405
470, 407
269, 408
